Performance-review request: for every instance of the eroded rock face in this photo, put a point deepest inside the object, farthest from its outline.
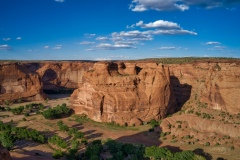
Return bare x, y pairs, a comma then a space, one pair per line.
57, 75
214, 83
17, 81
125, 93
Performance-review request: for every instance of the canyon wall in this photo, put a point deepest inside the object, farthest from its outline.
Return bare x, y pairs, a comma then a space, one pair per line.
125, 93
214, 83
62, 75
27, 81
18, 82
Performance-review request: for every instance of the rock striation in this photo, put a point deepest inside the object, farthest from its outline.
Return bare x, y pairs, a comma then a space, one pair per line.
125, 93
212, 82
62, 75
18, 82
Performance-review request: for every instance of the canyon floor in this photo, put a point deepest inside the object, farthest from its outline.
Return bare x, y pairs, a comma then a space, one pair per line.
176, 132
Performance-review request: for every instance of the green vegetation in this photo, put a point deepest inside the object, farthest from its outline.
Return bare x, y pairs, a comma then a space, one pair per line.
18, 111
121, 151
9, 134
56, 112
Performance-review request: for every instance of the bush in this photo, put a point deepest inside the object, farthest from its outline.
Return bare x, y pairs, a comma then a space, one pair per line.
207, 144
57, 154
56, 112
154, 123
17, 111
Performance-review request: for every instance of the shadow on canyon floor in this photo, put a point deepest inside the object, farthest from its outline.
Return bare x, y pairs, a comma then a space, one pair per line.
147, 138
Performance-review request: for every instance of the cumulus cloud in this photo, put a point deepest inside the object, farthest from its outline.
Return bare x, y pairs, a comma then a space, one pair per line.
213, 43
158, 24
57, 47
102, 38
46, 47
59, 1
107, 46
5, 47
159, 5
182, 5
135, 35
18, 38
170, 32
86, 43
6, 39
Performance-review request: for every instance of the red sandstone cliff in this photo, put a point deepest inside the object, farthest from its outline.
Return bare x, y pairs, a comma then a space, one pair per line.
214, 83
56, 75
125, 93
17, 81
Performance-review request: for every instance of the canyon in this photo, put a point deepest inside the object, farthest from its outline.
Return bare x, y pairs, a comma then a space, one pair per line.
126, 92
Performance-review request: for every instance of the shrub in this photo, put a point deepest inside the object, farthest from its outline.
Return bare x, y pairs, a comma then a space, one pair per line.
57, 154
56, 112
207, 144
154, 123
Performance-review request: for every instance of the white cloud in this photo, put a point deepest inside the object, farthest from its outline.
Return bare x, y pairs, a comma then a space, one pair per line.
131, 35
46, 47
132, 26
102, 59
213, 43
90, 49
159, 5
159, 24
86, 43
18, 38
59, 1
30, 50
108, 46
170, 32
57, 47
6, 39
168, 48
182, 5
5, 47
89, 35
102, 38
119, 56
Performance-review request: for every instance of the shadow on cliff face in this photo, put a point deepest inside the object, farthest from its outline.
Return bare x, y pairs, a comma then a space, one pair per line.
182, 92
51, 84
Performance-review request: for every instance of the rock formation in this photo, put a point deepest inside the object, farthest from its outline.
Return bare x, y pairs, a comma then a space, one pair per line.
125, 93
18, 82
214, 83
129, 92
62, 75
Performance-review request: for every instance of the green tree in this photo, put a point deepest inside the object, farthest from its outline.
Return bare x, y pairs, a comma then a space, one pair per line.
155, 153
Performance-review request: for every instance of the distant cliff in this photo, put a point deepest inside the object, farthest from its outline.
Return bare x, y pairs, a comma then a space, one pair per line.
216, 83
18, 82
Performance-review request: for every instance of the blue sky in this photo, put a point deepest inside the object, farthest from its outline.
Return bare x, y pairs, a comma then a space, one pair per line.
118, 29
